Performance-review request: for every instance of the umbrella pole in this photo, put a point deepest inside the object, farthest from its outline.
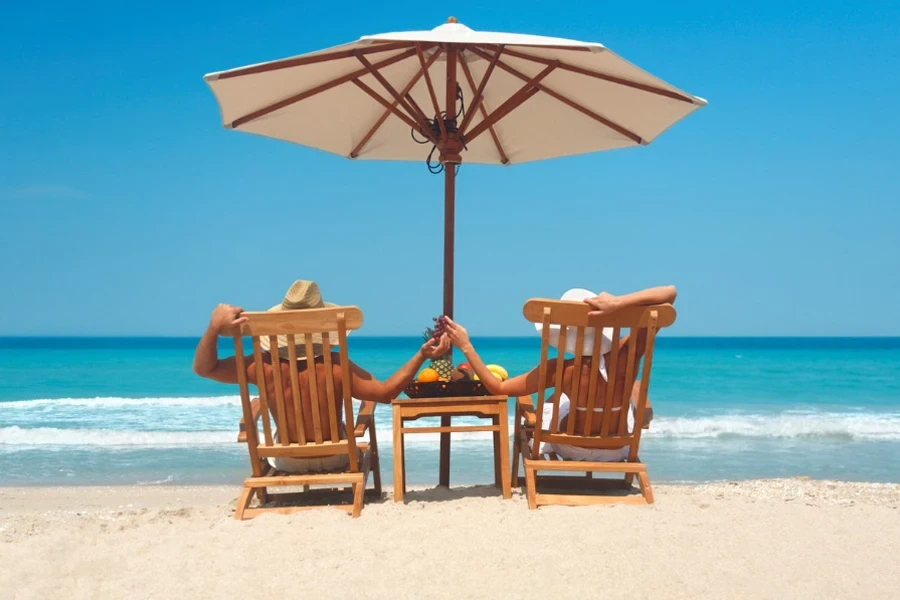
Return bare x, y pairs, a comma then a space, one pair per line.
449, 234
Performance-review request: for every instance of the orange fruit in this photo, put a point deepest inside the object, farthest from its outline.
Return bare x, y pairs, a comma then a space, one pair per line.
428, 375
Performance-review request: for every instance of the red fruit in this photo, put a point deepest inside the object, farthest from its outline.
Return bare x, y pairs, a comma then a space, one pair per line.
464, 367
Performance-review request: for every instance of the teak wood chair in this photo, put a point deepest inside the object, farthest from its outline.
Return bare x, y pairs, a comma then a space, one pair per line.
306, 391
612, 430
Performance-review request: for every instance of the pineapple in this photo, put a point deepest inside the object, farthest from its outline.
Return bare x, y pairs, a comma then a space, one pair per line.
442, 364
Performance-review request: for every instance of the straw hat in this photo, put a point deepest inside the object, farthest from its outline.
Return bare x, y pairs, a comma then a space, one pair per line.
580, 295
302, 295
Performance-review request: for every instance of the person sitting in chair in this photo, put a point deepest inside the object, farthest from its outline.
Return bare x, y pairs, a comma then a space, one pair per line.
528, 383
304, 295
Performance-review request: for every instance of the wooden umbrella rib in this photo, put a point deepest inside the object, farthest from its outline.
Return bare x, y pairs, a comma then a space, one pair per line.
316, 90
571, 103
479, 93
414, 111
514, 101
503, 158
598, 75
434, 100
391, 107
412, 82
299, 61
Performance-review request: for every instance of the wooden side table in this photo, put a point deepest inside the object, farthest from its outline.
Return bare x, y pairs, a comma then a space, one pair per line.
485, 407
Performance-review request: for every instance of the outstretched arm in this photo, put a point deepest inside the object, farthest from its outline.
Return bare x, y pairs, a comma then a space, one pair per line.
520, 385
206, 357
367, 387
605, 303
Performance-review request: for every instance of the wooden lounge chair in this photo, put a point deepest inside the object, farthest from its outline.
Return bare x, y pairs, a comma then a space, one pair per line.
327, 440
606, 429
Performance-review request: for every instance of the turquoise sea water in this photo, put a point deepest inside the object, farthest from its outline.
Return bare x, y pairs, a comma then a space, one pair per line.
128, 410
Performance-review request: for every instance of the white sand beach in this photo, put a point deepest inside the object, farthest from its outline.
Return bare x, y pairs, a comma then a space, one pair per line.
755, 539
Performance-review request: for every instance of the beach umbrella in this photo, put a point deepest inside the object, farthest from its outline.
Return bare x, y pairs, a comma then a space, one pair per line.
452, 96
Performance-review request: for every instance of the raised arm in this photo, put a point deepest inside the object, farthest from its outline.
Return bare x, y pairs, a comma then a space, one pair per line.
367, 387
521, 385
206, 358
605, 303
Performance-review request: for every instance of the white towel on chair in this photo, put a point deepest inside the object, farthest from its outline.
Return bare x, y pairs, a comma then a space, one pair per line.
576, 452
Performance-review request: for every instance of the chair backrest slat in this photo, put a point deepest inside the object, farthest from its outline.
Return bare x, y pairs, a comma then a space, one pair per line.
575, 400
592, 384
645, 384
633, 335
313, 389
611, 370
347, 391
252, 438
263, 394
277, 382
332, 415
560, 368
612, 431
542, 376
290, 325
329, 382
295, 389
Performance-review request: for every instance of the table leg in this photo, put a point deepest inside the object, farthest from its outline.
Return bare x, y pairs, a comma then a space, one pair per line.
504, 451
399, 482
403, 460
444, 475
495, 420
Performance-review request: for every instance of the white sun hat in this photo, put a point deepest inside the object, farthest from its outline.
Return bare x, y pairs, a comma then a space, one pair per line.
579, 295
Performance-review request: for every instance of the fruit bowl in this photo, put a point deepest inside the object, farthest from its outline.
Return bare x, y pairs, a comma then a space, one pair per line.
445, 389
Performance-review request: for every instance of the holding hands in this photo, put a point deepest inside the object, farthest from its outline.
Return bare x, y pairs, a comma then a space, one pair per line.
458, 335
431, 349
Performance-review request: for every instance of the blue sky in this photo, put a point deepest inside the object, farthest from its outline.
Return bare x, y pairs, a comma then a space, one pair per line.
125, 207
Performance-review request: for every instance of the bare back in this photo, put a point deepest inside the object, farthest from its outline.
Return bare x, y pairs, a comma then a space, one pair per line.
621, 391
303, 372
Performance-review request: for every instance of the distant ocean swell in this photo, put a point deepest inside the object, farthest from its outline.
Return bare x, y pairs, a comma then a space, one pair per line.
203, 422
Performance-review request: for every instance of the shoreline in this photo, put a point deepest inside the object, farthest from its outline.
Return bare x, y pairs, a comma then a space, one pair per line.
756, 538
24, 498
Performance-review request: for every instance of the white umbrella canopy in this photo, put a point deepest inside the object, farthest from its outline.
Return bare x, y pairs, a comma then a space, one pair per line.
584, 97
468, 96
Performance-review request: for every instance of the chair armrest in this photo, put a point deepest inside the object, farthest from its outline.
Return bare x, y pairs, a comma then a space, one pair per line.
525, 408
365, 418
648, 410
254, 411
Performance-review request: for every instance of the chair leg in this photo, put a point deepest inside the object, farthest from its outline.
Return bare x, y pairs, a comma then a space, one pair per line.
517, 443
243, 502
398, 455
629, 479
358, 494
646, 489
376, 463
495, 420
262, 494
531, 487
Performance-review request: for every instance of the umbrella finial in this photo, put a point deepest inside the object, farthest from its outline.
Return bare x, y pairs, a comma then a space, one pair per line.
452, 20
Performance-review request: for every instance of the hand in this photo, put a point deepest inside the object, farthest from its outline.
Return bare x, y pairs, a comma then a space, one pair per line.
226, 315
430, 350
603, 304
458, 335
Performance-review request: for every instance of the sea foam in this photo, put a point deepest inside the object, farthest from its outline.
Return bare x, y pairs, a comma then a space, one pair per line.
855, 426
53, 436
113, 402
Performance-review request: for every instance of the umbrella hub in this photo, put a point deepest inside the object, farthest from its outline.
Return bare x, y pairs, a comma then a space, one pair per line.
451, 148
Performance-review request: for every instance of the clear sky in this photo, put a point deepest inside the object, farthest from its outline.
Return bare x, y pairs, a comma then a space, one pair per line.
125, 207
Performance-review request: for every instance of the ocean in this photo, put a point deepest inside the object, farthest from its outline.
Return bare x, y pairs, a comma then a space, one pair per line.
97, 411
